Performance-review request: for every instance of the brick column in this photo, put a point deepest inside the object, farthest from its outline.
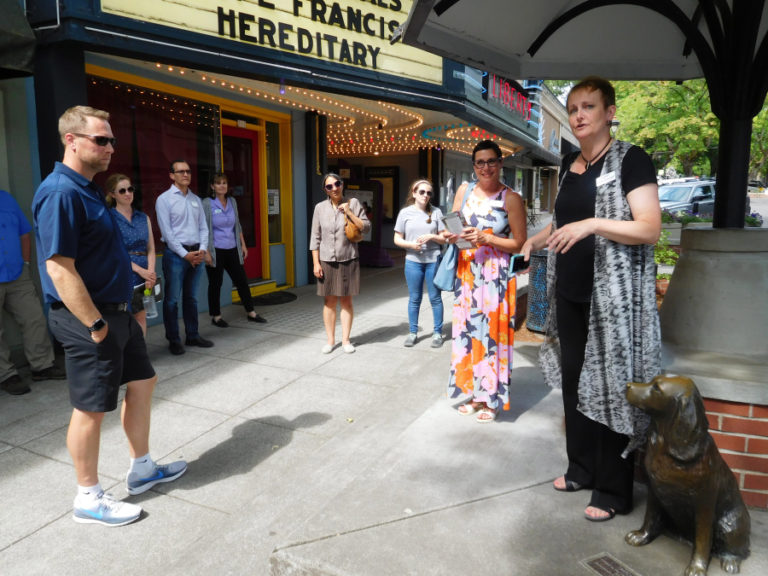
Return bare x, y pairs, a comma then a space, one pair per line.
741, 433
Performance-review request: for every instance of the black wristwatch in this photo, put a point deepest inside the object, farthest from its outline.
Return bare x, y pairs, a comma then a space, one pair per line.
97, 325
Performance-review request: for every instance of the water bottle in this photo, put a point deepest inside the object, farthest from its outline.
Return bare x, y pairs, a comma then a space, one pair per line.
150, 306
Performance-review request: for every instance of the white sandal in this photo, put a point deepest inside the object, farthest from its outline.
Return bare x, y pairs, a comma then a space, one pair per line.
469, 408
483, 412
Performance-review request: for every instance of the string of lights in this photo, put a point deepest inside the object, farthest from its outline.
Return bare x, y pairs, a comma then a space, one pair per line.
380, 128
174, 108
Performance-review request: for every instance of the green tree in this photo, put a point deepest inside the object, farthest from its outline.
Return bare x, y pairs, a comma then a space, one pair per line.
560, 88
675, 125
672, 122
758, 159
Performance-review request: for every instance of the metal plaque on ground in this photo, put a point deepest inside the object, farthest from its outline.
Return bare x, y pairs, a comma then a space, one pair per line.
606, 565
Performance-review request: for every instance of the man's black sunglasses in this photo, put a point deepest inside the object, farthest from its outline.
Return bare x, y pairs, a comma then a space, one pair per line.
98, 140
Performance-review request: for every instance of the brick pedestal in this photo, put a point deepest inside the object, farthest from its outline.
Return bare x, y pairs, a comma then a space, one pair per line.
741, 433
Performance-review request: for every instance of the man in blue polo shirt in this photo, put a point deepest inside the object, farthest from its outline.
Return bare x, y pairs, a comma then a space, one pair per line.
85, 273
18, 298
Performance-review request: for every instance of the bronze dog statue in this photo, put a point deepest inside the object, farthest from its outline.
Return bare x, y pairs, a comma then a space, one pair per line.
690, 486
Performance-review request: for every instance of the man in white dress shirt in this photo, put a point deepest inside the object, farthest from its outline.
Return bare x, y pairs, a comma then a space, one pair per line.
185, 233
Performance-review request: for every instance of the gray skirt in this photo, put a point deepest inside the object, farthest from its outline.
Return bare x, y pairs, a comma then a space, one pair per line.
339, 278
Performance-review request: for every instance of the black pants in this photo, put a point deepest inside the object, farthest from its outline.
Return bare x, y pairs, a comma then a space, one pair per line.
227, 259
594, 450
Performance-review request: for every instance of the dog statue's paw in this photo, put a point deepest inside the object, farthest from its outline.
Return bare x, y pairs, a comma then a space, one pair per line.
730, 564
696, 568
637, 538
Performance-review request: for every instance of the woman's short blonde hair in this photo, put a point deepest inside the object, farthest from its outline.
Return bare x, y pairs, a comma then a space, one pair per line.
592, 83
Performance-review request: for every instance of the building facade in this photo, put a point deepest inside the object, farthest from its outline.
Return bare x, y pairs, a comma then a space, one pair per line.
273, 93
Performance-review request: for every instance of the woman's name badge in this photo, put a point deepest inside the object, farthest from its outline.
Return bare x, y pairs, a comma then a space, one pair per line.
497, 204
606, 178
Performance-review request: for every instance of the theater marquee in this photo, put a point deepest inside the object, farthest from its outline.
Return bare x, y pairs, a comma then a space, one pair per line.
350, 32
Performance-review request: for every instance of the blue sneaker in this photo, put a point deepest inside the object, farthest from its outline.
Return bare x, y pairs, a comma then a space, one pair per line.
104, 509
162, 473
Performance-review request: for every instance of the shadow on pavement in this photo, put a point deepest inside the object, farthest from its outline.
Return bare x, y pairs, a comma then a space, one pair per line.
382, 334
251, 443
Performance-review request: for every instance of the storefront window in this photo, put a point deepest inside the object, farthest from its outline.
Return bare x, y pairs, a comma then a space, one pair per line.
272, 131
152, 130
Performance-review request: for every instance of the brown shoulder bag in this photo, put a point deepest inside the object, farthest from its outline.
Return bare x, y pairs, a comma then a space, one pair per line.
352, 232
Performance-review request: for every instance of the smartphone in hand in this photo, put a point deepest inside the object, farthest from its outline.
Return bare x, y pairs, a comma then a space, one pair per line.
518, 263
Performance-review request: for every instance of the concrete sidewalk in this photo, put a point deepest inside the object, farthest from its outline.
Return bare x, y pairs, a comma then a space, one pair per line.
302, 463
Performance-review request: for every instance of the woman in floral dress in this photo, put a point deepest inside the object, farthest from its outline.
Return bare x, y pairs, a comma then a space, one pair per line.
484, 297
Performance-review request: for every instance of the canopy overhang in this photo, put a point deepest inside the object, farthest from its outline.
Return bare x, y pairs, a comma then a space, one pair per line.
723, 41
565, 39
17, 41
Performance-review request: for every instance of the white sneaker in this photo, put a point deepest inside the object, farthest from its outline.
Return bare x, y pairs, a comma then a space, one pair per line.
437, 340
134, 484
105, 510
410, 340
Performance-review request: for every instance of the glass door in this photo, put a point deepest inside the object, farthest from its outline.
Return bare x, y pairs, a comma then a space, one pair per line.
240, 151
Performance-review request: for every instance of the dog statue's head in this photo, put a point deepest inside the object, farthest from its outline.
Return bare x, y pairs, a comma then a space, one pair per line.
675, 405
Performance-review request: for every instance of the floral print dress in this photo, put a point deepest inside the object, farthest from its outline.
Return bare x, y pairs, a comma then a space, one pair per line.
484, 310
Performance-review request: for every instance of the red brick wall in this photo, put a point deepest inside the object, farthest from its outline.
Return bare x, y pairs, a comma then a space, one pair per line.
741, 433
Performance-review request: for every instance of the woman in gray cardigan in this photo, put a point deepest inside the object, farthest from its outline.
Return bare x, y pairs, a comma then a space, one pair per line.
226, 251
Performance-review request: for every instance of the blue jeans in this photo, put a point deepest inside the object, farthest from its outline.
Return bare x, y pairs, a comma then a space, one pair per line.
179, 275
415, 275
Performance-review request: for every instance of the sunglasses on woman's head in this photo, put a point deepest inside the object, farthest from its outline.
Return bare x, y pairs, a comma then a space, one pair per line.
130, 189
424, 192
336, 184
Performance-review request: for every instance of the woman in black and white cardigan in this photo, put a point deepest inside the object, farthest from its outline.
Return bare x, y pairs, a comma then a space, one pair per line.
603, 327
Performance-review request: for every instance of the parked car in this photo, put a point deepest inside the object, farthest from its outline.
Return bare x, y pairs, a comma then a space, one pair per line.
697, 196
755, 187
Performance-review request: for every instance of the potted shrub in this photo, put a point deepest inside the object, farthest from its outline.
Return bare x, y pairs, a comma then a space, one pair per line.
687, 217
754, 220
670, 222
663, 255
662, 282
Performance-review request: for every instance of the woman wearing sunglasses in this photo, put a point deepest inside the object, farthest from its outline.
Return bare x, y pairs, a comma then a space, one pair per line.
335, 259
226, 251
138, 239
485, 297
418, 230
